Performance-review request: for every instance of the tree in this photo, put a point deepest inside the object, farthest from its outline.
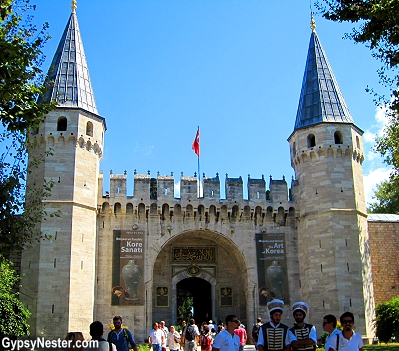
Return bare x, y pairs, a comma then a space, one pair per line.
387, 320
13, 315
378, 28
387, 198
21, 82
184, 310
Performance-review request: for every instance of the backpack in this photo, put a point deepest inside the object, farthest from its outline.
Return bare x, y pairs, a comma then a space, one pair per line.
205, 342
255, 332
109, 338
190, 333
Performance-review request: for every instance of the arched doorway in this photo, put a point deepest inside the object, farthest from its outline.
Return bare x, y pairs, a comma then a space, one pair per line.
200, 255
197, 293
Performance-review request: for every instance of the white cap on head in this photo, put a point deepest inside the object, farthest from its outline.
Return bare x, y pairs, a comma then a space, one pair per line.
301, 306
275, 305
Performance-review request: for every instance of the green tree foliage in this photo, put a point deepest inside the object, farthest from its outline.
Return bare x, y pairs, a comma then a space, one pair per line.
378, 27
21, 82
386, 198
184, 309
13, 314
387, 320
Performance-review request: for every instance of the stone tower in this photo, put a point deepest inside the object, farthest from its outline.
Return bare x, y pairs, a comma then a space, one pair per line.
327, 154
60, 280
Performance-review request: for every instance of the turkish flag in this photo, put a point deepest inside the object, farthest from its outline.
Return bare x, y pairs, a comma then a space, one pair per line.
196, 143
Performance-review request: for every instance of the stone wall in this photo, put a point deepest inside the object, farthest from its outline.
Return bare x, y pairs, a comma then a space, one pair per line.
384, 248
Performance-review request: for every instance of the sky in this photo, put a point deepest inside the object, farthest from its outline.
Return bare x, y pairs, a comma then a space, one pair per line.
161, 68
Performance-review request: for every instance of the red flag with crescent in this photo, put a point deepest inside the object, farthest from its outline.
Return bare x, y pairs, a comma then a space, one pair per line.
196, 143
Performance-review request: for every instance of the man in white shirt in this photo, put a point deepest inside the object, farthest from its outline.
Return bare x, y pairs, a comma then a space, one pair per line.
348, 339
165, 331
156, 338
227, 340
329, 326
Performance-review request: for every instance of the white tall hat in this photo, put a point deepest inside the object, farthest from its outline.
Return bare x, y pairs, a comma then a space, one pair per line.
275, 305
302, 306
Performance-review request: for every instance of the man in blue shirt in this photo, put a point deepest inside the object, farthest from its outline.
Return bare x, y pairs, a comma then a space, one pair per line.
121, 337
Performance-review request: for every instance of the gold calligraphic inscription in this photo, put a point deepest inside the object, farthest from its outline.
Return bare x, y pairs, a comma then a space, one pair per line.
193, 254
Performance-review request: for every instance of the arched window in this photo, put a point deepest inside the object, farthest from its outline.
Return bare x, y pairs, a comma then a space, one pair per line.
234, 211
189, 211
212, 211
153, 209
141, 210
311, 140
89, 129
357, 142
165, 211
177, 210
338, 137
129, 208
294, 148
105, 207
117, 207
62, 124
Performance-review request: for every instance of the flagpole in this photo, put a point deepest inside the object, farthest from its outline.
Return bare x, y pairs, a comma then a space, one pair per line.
199, 174
199, 178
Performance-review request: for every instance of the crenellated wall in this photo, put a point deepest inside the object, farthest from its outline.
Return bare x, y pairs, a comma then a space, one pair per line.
231, 226
276, 206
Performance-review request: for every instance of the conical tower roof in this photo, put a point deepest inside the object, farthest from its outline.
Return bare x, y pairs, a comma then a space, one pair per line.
321, 99
68, 76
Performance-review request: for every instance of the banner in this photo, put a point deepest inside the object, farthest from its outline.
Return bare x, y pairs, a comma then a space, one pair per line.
128, 268
272, 267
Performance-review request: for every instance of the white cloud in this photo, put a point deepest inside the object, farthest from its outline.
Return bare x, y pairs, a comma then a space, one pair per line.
377, 129
371, 155
368, 137
375, 177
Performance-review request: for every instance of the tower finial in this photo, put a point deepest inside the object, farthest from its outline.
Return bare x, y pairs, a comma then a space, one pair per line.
74, 7
312, 22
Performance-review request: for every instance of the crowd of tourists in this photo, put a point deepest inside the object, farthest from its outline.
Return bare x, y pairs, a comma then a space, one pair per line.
232, 335
270, 336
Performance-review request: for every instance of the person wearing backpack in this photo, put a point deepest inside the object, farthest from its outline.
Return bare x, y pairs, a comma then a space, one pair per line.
255, 332
190, 336
121, 337
206, 339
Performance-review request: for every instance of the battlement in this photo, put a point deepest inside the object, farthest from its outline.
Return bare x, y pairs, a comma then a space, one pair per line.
162, 187
155, 196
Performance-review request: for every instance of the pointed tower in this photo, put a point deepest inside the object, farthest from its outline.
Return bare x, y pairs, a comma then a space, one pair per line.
59, 281
327, 155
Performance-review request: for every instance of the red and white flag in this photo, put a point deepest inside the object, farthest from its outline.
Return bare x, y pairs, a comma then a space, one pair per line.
196, 143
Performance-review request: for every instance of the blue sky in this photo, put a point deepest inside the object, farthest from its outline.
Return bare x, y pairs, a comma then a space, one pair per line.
160, 68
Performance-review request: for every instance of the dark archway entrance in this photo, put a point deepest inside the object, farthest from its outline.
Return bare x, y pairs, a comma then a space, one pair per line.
200, 291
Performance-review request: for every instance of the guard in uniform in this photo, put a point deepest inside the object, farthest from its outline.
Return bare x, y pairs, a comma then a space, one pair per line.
302, 336
273, 334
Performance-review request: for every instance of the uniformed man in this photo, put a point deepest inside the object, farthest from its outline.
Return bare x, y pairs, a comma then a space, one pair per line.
302, 336
273, 334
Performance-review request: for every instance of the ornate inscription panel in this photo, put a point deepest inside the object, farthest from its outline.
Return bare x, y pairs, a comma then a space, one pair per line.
198, 254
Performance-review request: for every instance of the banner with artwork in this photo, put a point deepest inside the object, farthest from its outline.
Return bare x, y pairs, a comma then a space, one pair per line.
272, 267
128, 268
